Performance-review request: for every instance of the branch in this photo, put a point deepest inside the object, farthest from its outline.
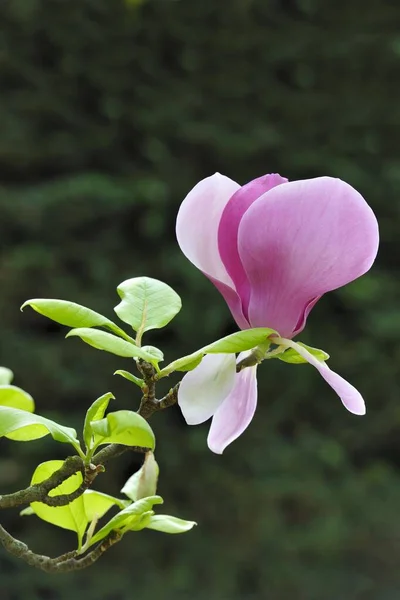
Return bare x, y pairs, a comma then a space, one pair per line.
149, 403
73, 464
61, 564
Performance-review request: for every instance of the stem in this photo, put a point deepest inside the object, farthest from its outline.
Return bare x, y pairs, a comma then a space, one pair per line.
61, 564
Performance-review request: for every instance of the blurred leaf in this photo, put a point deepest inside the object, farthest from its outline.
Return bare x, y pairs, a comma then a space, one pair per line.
6, 376
13, 396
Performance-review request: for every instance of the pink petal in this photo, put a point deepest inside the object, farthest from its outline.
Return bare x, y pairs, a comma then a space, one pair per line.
348, 394
204, 389
300, 240
197, 233
229, 224
236, 412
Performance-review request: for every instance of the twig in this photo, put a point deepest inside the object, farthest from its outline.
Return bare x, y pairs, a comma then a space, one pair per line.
61, 564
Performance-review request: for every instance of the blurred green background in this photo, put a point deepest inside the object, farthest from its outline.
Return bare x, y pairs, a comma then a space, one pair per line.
110, 112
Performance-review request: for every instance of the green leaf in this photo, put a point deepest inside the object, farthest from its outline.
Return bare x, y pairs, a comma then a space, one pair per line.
168, 524
96, 504
13, 396
72, 516
23, 426
291, 356
130, 377
126, 517
6, 376
146, 304
71, 314
231, 344
123, 427
78, 514
94, 413
239, 341
110, 343
156, 354
27, 512
143, 483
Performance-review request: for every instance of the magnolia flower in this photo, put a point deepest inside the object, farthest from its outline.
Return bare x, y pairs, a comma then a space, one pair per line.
272, 248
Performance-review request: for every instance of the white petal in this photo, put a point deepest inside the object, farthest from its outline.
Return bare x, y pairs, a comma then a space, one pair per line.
198, 221
204, 389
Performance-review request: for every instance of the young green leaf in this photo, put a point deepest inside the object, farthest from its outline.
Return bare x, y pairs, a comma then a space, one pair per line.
94, 413
13, 396
146, 304
109, 343
123, 427
143, 483
126, 517
156, 354
6, 376
239, 341
231, 344
71, 516
71, 314
130, 377
78, 514
23, 426
97, 504
168, 524
293, 357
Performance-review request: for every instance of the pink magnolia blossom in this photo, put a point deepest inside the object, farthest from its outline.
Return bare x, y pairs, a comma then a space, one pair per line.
272, 248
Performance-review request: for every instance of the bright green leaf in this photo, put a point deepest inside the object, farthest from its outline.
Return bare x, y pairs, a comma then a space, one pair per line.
71, 516
126, 517
291, 356
71, 314
146, 304
231, 344
13, 396
189, 365
156, 354
130, 377
27, 512
143, 483
6, 376
94, 413
24, 426
239, 341
110, 343
123, 427
168, 524
96, 504
78, 514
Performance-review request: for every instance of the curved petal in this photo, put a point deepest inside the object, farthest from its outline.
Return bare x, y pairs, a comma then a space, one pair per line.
236, 412
300, 240
229, 224
204, 389
348, 394
197, 225
197, 233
